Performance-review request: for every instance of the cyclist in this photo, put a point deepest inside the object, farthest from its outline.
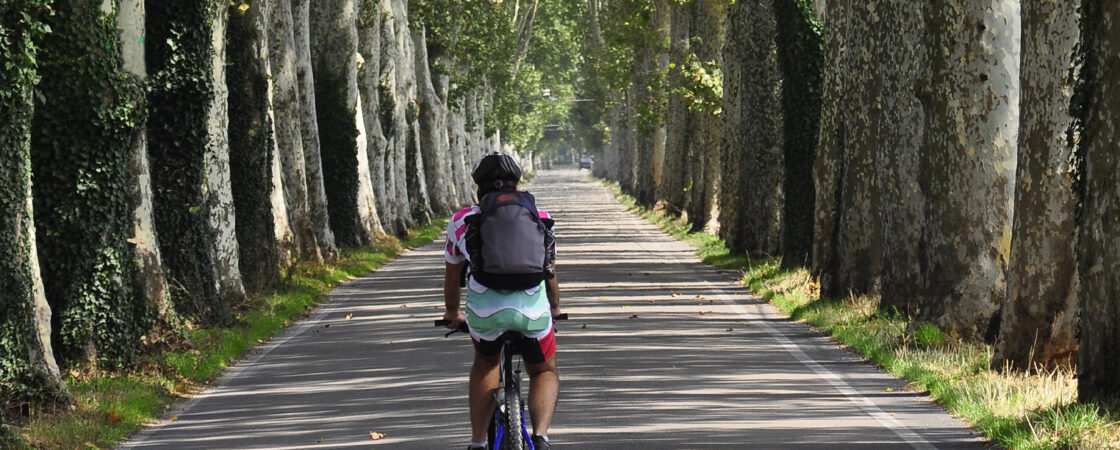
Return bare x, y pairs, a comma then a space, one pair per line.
491, 312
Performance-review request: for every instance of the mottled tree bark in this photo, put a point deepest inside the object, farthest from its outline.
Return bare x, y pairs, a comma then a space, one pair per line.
394, 125
219, 198
677, 164
704, 144
334, 41
760, 167
902, 58
974, 126
1099, 235
650, 142
846, 252
420, 204
149, 264
434, 143
284, 63
731, 137
309, 129
369, 71
1038, 321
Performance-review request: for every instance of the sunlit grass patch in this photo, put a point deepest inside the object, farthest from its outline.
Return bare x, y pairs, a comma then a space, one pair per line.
109, 407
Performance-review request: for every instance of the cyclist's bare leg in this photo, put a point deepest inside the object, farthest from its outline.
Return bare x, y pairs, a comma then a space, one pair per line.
544, 388
484, 381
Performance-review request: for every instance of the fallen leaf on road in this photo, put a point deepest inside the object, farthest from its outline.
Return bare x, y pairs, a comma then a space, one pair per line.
404, 305
700, 296
674, 294
635, 316
602, 297
730, 329
888, 390
649, 301
349, 316
625, 306
704, 312
173, 418
375, 435
584, 326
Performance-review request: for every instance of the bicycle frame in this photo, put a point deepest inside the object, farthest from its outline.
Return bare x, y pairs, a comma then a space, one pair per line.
509, 383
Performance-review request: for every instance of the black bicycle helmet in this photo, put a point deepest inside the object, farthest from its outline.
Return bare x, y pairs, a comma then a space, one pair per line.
497, 170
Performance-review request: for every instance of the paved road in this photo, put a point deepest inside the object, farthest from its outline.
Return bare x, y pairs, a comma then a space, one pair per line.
640, 366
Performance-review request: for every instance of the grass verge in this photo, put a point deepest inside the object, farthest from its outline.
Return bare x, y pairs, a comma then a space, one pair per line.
111, 406
1017, 411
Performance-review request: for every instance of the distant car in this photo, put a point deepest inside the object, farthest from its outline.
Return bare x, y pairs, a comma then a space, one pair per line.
585, 162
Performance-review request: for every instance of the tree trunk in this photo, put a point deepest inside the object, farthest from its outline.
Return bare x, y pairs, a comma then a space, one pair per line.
731, 135
1099, 235
846, 253
219, 194
902, 117
434, 145
150, 279
334, 41
27, 363
420, 204
1038, 321
81, 149
286, 106
650, 143
704, 144
760, 170
974, 125
799, 55
394, 124
677, 163
369, 71
250, 132
309, 128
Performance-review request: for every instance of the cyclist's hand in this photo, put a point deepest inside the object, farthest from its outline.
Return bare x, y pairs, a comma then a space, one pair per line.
454, 318
555, 312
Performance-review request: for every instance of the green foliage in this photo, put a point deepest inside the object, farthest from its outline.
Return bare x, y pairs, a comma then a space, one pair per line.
703, 85
179, 52
250, 134
87, 115
476, 43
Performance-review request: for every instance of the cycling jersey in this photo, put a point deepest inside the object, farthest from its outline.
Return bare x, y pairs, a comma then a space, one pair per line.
491, 312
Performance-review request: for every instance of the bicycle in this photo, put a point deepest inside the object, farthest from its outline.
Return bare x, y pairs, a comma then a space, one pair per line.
509, 407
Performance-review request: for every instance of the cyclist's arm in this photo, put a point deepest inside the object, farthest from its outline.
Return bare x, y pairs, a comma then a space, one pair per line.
452, 293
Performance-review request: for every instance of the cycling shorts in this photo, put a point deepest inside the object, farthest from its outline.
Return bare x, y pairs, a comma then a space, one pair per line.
532, 351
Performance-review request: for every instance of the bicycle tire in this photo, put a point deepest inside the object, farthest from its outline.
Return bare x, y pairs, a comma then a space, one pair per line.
513, 438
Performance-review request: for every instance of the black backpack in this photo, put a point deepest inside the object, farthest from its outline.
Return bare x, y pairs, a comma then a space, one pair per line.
510, 246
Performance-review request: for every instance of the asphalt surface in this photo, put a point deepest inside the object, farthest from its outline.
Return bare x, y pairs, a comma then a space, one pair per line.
661, 352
